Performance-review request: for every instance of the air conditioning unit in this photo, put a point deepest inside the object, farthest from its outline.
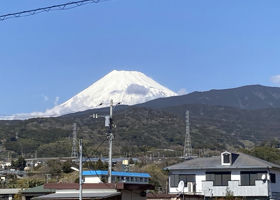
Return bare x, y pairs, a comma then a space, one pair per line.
191, 187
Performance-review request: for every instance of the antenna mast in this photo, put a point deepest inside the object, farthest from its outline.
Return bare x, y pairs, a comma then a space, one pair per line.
74, 143
188, 145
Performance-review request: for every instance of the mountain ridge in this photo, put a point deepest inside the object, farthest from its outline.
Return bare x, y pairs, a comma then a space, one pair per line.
245, 97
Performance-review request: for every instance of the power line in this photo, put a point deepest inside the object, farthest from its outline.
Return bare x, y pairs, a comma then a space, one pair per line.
88, 159
65, 6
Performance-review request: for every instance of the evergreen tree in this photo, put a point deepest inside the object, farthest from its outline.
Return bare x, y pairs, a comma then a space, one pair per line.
19, 164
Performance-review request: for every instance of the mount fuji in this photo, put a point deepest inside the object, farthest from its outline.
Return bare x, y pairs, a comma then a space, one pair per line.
126, 87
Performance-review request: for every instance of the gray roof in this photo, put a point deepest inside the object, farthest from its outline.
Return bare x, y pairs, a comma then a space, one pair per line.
38, 189
9, 191
76, 195
240, 161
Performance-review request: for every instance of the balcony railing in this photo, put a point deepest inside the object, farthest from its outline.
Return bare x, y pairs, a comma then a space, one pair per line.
234, 188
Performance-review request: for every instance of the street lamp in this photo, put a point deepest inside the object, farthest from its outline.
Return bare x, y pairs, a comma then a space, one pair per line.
80, 170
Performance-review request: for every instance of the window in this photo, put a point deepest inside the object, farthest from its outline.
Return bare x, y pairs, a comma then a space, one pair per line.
218, 178
176, 178
226, 158
249, 178
272, 177
187, 178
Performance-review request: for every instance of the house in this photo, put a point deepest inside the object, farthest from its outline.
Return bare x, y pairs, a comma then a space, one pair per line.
124, 186
233, 174
105, 191
98, 176
68, 191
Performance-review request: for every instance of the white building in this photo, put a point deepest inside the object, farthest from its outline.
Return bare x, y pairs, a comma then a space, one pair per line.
234, 174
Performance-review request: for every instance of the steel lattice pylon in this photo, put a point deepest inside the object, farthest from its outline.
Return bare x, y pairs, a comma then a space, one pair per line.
74, 143
188, 145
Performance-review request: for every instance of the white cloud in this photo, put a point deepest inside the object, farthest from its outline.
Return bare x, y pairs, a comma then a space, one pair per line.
137, 89
56, 101
45, 97
182, 91
275, 79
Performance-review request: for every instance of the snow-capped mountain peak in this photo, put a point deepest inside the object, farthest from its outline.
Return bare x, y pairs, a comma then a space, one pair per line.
126, 87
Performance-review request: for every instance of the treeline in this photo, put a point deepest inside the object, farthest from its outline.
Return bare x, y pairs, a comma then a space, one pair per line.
268, 151
212, 127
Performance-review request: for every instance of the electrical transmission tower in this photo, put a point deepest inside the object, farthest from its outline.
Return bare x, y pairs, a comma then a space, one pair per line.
74, 143
188, 144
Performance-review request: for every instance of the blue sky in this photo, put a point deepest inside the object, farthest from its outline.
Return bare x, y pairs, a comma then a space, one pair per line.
191, 44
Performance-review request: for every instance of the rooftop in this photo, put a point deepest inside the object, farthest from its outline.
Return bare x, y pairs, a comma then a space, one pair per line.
240, 161
9, 191
38, 189
98, 195
115, 173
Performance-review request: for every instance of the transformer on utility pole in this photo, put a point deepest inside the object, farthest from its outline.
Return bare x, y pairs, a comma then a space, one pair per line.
109, 123
188, 145
74, 142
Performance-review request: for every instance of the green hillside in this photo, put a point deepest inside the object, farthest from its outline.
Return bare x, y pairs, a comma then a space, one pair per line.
141, 130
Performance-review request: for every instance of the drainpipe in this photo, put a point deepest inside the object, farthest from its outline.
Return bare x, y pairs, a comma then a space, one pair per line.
268, 183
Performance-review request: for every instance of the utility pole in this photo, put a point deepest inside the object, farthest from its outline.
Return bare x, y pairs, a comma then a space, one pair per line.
109, 123
110, 137
81, 171
188, 145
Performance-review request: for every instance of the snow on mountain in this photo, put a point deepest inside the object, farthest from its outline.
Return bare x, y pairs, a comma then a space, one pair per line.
126, 87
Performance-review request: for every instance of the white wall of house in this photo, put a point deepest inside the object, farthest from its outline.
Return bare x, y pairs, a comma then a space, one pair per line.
92, 179
199, 177
261, 187
235, 176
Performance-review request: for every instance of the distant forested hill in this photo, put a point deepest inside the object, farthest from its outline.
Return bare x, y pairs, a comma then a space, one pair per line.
140, 129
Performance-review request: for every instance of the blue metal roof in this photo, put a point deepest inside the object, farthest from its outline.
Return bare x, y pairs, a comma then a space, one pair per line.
115, 173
